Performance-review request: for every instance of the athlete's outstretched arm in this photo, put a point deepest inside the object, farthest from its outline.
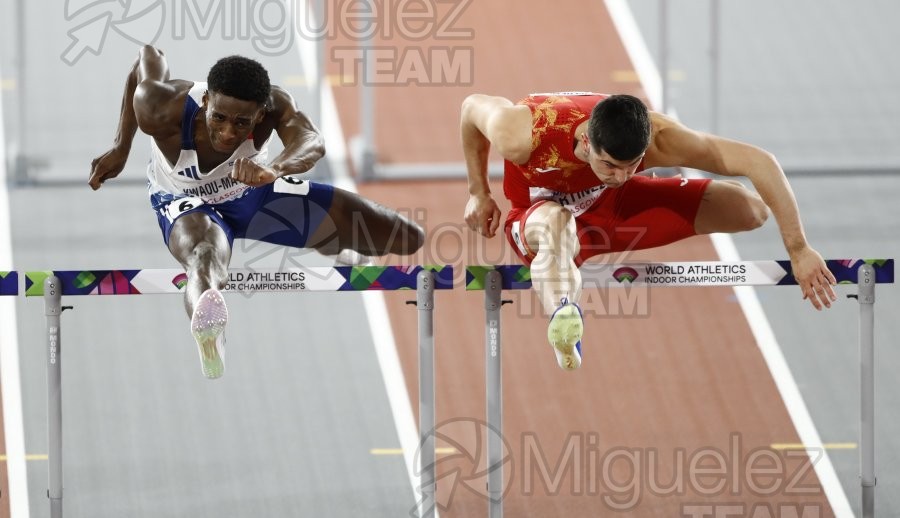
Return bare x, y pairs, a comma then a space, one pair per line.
149, 66
303, 144
485, 121
676, 145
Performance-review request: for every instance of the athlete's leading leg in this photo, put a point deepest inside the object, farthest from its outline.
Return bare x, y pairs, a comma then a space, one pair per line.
550, 230
202, 248
358, 224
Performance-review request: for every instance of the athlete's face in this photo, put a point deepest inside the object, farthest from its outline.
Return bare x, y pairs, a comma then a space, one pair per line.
613, 173
230, 120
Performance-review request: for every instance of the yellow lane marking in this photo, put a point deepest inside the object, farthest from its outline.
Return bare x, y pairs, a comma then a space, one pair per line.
630, 76
827, 446
386, 451
399, 451
625, 76
42, 456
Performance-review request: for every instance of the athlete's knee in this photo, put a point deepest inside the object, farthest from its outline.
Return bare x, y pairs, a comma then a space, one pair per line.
414, 236
407, 237
752, 212
197, 242
760, 212
551, 228
552, 222
728, 206
205, 253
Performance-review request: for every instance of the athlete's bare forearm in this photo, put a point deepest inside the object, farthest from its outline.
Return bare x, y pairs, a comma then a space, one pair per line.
151, 64
482, 124
476, 149
677, 145
767, 177
771, 184
303, 143
299, 156
303, 147
127, 120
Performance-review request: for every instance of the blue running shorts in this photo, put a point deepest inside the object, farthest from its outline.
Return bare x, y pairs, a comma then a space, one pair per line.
285, 212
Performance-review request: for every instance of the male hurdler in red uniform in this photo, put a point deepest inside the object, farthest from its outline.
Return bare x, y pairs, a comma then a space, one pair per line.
570, 160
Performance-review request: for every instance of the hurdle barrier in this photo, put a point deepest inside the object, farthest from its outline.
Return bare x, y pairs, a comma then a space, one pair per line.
863, 272
492, 279
53, 285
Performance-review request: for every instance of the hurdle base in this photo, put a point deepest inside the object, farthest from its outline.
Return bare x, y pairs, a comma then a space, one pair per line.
496, 506
868, 501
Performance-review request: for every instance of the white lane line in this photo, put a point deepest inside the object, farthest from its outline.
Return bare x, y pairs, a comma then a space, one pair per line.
10, 384
630, 34
746, 295
787, 386
373, 301
376, 309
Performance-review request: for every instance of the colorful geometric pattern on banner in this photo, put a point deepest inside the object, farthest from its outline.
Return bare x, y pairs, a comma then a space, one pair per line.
9, 283
158, 281
697, 273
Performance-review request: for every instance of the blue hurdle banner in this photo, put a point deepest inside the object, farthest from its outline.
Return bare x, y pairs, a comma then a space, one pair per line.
159, 281
695, 273
9, 283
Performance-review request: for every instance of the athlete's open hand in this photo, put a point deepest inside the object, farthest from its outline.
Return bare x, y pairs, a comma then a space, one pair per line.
106, 166
249, 172
483, 214
814, 278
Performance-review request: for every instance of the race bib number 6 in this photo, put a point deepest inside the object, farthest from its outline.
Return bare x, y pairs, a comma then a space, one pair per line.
180, 206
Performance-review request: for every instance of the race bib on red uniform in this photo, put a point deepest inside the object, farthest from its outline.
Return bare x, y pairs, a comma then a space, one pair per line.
576, 202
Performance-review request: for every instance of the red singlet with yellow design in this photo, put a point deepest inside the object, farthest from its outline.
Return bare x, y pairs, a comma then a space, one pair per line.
642, 213
552, 171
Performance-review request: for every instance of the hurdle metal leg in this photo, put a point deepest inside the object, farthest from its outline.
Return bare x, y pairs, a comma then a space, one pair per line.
425, 305
866, 300
493, 385
53, 310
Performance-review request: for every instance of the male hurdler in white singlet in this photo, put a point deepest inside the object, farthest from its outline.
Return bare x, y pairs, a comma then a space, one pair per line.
211, 180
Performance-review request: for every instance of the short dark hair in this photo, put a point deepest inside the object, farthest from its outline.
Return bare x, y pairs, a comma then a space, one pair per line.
620, 125
241, 78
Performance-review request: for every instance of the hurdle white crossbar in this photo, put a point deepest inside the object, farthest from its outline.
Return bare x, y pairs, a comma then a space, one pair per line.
53, 285
865, 273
